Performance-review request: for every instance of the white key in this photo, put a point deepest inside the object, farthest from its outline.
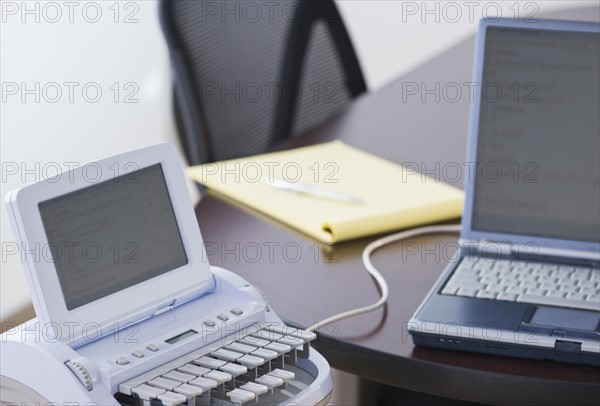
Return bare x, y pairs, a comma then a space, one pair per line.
556, 294
164, 383
239, 347
234, 369
226, 355
495, 289
278, 348
588, 290
172, 399
204, 383
265, 354
536, 292
179, 376
209, 362
449, 289
594, 299
255, 388
501, 263
568, 288
575, 296
515, 290
269, 381
255, 341
268, 335
549, 286
582, 275
511, 297
490, 280
552, 301
250, 361
467, 292
239, 396
219, 376
292, 331
127, 386
147, 392
283, 374
193, 369
294, 342
486, 295
528, 284
189, 391
279, 329
470, 285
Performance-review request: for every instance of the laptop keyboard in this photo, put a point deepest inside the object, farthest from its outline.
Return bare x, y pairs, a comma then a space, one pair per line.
529, 282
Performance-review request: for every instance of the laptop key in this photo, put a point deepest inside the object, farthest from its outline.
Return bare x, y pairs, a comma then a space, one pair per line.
576, 296
467, 292
486, 295
594, 299
511, 297
449, 289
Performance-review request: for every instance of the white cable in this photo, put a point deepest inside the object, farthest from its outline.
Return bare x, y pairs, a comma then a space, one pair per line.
383, 286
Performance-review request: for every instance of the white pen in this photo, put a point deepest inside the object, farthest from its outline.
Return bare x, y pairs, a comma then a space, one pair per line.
303, 188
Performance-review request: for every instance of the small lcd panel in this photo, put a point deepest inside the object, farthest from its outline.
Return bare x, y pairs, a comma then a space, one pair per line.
112, 235
181, 336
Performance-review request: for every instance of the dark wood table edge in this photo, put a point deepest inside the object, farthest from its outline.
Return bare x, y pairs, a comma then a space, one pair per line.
427, 377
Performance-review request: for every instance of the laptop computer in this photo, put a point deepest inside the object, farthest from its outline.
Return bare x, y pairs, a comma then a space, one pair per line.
526, 281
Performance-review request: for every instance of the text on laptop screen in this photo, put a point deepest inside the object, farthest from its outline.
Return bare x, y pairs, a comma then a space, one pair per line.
112, 235
538, 147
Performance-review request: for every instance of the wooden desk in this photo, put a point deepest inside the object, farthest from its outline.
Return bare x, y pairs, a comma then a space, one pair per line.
307, 287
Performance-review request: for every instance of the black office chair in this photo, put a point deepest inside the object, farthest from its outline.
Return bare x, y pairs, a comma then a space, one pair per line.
249, 74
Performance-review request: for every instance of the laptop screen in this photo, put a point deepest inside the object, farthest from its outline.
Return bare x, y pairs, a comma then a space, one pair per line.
112, 235
538, 152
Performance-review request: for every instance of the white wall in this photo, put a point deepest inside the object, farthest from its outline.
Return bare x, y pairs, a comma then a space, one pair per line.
391, 37
38, 136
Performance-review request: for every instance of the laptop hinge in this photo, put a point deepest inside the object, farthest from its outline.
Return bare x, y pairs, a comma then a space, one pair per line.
486, 248
499, 249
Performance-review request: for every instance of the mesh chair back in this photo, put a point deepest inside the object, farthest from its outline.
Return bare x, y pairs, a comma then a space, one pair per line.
249, 74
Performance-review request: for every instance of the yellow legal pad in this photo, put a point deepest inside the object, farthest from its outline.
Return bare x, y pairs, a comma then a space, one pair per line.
393, 197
